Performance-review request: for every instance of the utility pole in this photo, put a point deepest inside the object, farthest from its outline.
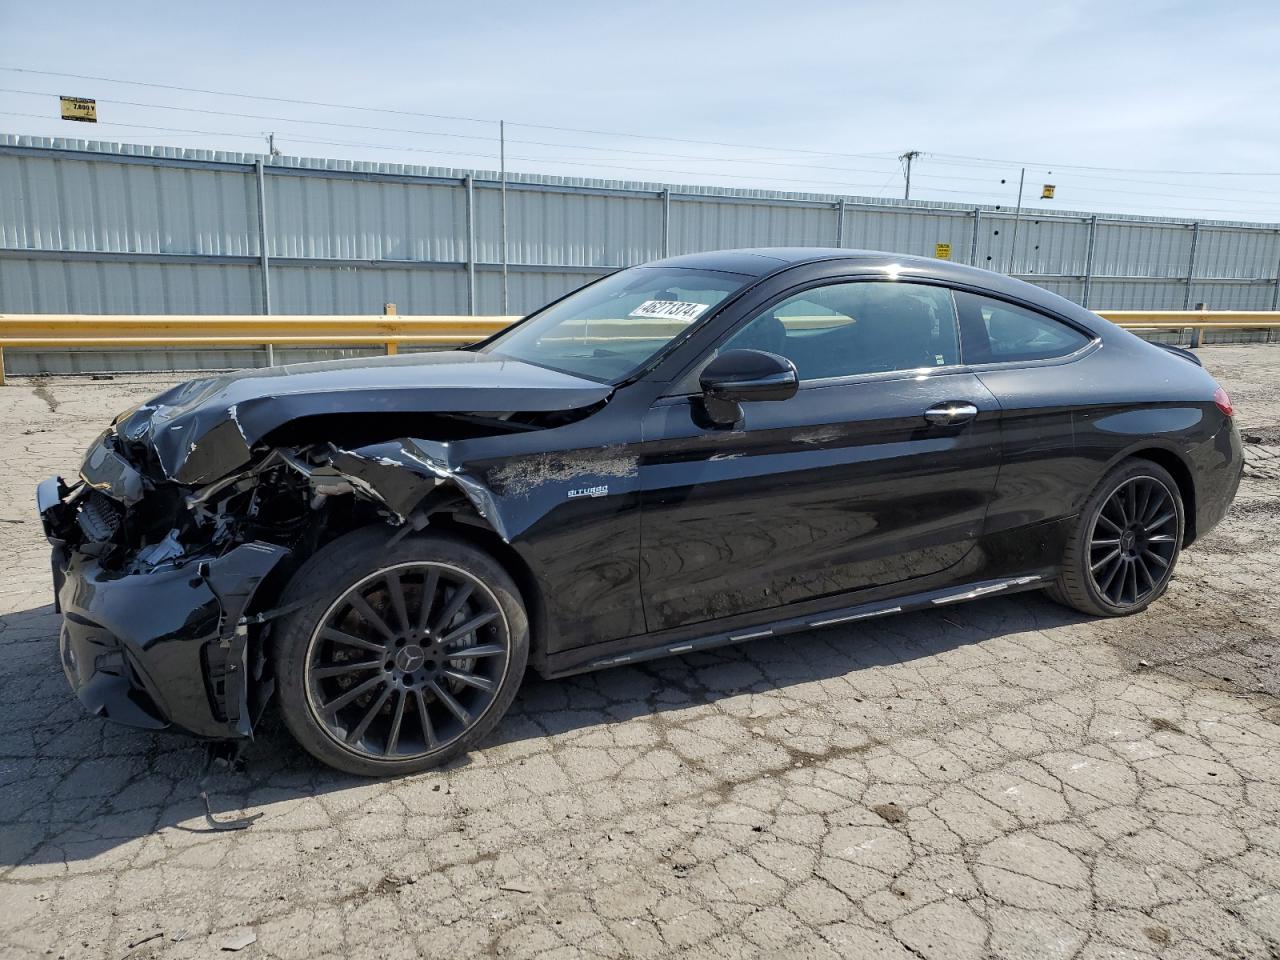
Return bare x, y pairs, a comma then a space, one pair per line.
906, 159
271, 145
1017, 216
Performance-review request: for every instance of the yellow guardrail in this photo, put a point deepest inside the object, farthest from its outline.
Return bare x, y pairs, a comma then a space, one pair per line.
45, 331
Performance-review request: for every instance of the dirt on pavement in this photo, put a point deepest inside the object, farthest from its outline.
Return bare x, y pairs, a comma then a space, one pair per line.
999, 779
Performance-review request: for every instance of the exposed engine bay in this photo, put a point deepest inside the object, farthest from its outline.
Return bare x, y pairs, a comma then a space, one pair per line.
193, 510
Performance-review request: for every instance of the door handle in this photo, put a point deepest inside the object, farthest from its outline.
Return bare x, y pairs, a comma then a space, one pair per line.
951, 413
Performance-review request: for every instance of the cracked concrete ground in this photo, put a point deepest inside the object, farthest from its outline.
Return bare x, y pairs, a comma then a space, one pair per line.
1000, 779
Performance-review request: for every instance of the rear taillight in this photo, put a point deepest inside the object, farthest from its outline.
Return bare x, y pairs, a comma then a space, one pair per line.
1223, 402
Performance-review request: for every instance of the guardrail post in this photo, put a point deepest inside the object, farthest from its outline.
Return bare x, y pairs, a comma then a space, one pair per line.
471, 244
1197, 332
262, 250
1088, 261
973, 241
1191, 265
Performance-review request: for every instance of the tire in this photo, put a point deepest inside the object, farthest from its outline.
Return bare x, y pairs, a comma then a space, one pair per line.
1124, 544
364, 625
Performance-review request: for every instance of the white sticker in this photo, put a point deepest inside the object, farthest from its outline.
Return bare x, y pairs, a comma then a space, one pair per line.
669, 310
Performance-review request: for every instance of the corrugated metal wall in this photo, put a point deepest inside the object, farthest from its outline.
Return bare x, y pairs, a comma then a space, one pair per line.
90, 227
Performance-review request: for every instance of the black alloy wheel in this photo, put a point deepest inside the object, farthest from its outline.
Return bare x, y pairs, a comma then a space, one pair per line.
1122, 547
1133, 542
406, 660
401, 657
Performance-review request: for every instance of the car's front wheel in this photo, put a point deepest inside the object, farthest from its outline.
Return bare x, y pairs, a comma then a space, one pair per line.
1124, 545
401, 657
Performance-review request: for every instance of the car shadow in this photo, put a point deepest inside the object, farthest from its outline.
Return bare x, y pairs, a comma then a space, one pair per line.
75, 787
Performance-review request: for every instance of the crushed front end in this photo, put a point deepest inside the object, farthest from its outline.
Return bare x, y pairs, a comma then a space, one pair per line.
154, 593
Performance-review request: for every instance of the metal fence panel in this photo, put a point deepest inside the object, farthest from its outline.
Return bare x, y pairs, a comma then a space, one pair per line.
364, 219
915, 232
565, 229
1141, 250
54, 204
1236, 253
352, 290
95, 227
709, 223
73, 286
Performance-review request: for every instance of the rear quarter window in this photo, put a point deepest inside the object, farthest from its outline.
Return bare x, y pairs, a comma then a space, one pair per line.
997, 332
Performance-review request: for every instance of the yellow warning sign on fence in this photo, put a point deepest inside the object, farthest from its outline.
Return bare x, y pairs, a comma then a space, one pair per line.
942, 251
79, 108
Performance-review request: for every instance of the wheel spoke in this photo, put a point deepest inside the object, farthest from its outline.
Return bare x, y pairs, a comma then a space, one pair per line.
1141, 565
475, 623
1152, 555
333, 706
397, 719
396, 590
358, 731
1108, 542
1143, 498
1105, 560
1161, 538
428, 599
484, 650
457, 709
1105, 585
455, 603
1132, 577
1104, 519
338, 636
424, 719
370, 616
1161, 520
340, 669
480, 683
1156, 504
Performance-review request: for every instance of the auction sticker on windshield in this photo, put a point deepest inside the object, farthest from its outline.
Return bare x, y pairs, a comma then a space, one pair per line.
669, 310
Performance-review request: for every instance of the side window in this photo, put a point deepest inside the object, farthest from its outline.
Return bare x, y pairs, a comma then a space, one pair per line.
859, 327
996, 332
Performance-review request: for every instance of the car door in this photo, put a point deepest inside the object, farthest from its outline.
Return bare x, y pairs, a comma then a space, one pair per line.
879, 470
1028, 361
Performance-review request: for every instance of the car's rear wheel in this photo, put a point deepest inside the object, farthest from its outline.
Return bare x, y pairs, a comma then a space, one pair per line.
401, 657
1125, 543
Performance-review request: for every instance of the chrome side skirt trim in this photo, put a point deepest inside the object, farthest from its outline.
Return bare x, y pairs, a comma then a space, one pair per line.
855, 616
919, 601
985, 589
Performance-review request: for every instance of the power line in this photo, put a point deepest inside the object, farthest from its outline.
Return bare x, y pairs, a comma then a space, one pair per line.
437, 116
989, 197
906, 158
451, 135
462, 153
1038, 165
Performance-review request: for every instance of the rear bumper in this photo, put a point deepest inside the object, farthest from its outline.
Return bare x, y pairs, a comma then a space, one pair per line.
164, 647
1219, 466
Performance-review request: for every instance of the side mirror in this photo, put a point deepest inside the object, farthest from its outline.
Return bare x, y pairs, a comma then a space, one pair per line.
745, 375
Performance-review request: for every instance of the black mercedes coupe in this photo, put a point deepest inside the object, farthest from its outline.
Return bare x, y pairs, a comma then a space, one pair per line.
694, 452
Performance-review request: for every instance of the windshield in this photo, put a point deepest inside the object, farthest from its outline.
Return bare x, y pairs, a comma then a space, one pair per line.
610, 329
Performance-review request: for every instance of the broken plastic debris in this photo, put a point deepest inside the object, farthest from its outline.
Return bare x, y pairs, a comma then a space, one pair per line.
239, 941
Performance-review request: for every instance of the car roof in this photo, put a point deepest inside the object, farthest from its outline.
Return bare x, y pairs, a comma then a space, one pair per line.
763, 261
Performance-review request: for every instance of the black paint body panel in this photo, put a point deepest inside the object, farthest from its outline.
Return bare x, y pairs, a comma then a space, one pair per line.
642, 527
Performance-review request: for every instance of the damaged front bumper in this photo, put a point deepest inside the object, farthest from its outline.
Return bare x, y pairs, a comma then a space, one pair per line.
164, 647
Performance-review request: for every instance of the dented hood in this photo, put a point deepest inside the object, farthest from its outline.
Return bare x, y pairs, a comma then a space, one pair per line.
205, 428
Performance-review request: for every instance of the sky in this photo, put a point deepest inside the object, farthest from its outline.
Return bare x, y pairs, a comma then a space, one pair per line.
1136, 106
